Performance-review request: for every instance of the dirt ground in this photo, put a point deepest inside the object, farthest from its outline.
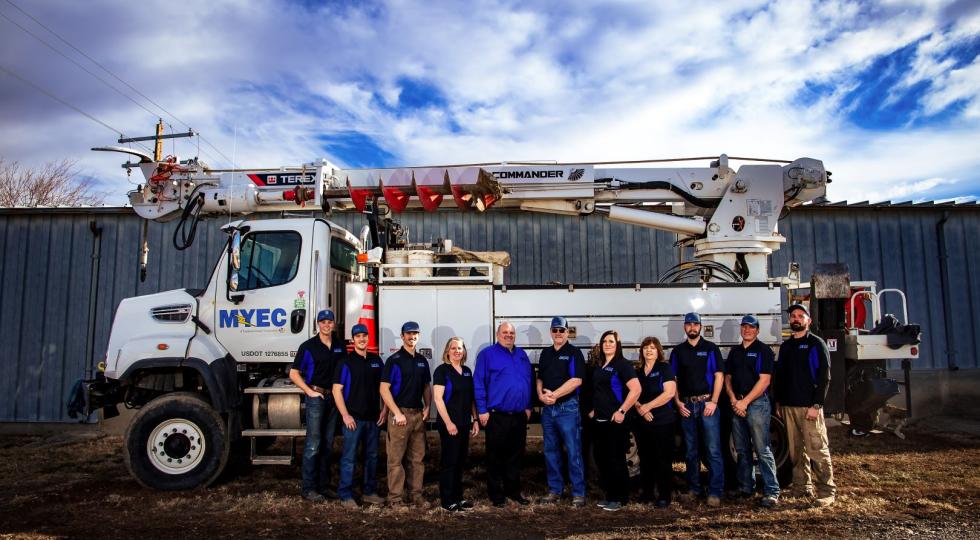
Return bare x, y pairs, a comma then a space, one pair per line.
76, 485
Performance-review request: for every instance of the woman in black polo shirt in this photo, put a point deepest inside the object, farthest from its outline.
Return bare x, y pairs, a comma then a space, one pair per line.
653, 421
452, 388
611, 375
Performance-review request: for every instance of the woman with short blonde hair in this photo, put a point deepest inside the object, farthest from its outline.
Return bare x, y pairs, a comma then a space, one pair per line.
452, 389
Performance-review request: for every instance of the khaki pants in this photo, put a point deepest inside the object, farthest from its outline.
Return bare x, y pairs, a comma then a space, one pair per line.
405, 446
808, 444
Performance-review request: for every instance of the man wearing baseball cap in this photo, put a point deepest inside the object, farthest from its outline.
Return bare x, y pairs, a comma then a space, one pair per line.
698, 365
312, 372
802, 377
748, 372
407, 393
560, 371
355, 389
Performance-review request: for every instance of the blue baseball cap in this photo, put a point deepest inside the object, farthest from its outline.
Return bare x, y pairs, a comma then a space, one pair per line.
692, 318
750, 320
324, 315
559, 322
410, 326
358, 329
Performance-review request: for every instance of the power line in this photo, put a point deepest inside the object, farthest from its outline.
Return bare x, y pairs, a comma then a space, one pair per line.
73, 61
107, 70
63, 102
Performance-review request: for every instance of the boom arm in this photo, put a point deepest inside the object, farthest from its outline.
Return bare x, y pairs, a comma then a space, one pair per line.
730, 216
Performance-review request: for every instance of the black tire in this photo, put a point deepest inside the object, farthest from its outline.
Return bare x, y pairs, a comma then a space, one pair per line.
173, 426
778, 442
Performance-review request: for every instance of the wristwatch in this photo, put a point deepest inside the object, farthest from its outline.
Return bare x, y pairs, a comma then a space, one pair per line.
622, 412
816, 406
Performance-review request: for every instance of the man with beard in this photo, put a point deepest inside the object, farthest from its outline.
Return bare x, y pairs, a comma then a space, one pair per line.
802, 377
699, 367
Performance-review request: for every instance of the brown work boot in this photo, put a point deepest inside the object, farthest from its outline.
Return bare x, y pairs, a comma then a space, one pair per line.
824, 502
372, 499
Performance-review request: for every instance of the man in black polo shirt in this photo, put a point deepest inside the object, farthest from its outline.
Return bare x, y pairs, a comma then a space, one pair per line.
802, 378
312, 371
356, 382
561, 368
406, 391
748, 372
698, 365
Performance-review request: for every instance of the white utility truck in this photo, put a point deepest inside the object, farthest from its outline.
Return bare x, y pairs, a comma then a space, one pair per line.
207, 367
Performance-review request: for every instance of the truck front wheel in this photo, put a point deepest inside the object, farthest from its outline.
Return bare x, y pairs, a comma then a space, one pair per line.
177, 441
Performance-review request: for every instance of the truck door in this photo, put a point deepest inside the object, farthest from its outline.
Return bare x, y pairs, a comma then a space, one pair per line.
262, 313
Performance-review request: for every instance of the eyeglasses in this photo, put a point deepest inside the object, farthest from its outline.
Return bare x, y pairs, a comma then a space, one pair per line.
559, 330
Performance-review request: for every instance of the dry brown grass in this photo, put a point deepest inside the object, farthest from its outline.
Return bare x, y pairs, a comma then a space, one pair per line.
926, 486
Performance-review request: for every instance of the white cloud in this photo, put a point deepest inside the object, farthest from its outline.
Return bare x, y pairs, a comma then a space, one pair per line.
569, 81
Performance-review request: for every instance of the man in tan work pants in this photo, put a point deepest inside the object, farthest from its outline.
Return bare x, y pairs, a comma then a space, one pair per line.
808, 445
802, 376
407, 392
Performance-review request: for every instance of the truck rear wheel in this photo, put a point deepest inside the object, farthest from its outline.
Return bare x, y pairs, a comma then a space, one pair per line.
176, 442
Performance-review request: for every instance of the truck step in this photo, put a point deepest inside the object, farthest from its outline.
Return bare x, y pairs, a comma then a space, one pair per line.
273, 433
272, 460
273, 390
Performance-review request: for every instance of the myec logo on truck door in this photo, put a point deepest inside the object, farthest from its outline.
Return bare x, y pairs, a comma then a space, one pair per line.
253, 318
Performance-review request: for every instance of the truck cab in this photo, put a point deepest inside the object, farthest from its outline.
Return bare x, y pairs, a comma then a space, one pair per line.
195, 362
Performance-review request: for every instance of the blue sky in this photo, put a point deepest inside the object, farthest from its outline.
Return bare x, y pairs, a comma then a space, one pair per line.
887, 93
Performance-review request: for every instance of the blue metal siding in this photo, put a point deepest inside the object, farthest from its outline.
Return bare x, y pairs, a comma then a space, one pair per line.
45, 266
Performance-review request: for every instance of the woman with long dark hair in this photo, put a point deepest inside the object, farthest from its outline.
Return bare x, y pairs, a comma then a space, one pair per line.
653, 422
452, 389
611, 374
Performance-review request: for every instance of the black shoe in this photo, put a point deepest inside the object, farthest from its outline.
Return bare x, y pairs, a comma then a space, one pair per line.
455, 507
520, 499
465, 505
499, 504
329, 494
662, 504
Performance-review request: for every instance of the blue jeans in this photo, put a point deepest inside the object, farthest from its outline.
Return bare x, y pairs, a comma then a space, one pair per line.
695, 427
562, 424
752, 433
321, 425
368, 431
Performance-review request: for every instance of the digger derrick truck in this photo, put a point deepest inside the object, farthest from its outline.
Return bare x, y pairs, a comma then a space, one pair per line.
207, 367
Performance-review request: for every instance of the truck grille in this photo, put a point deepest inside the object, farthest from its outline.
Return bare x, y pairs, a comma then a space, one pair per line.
177, 313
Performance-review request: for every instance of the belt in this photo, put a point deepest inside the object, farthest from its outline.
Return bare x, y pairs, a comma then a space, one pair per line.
413, 409
696, 399
320, 389
508, 413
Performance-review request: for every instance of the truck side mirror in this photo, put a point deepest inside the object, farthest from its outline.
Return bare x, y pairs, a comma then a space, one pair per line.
235, 260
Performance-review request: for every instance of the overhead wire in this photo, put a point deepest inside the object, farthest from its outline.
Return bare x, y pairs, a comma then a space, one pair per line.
75, 108
107, 70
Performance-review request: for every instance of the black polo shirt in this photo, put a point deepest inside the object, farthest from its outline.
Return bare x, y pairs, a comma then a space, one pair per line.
556, 367
408, 374
652, 385
746, 364
802, 372
361, 378
609, 387
695, 367
316, 362
458, 393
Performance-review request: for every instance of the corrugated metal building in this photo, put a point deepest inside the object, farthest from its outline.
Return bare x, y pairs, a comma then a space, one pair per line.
47, 273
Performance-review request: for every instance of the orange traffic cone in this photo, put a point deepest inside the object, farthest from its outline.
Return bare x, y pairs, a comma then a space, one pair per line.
367, 319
